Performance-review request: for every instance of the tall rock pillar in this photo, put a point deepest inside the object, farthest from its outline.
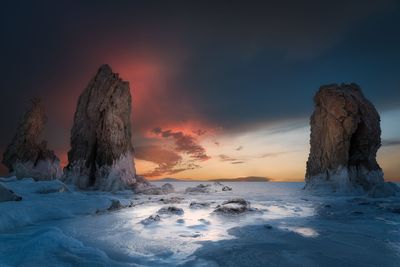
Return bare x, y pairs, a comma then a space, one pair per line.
101, 155
26, 156
345, 137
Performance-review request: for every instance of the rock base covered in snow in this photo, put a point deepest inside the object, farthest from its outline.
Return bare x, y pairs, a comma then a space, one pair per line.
345, 137
101, 155
45, 169
26, 156
117, 176
341, 180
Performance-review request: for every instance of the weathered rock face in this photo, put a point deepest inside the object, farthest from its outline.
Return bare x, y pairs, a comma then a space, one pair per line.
25, 156
345, 136
101, 155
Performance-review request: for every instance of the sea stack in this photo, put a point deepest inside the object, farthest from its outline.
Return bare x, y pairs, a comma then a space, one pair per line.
101, 155
26, 156
345, 137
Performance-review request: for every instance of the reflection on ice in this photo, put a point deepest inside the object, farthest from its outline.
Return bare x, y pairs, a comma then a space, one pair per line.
280, 211
304, 231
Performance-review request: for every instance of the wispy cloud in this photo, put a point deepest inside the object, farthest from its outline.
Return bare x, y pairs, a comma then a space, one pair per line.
274, 154
244, 159
169, 162
224, 158
184, 143
391, 142
237, 162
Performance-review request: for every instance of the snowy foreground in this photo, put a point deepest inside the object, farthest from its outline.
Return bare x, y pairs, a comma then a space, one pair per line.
58, 226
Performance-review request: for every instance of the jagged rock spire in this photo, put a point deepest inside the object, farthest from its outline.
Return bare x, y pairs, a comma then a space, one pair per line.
26, 156
101, 155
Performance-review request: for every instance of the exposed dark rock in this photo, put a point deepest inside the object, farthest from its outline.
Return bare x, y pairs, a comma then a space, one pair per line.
151, 219
233, 206
223, 187
180, 221
27, 156
199, 205
194, 235
149, 189
345, 137
208, 188
226, 188
172, 200
201, 188
8, 195
101, 155
172, 210
115, 205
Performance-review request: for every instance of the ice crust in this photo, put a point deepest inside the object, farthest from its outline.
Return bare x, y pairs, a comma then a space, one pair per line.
56, 225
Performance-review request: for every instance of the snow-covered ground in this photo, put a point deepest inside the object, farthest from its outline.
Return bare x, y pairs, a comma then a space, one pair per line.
58, 226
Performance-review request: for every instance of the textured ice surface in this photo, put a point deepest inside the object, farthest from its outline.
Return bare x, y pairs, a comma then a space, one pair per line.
289, 228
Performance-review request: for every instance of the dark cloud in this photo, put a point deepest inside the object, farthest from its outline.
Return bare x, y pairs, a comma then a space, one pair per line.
200, 132
184, 143
239, 148
169, 162
168, 169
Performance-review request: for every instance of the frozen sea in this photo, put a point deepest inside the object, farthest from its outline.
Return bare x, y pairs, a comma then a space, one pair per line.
290, 227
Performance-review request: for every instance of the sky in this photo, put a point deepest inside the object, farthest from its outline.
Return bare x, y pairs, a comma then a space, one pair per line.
220, 88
